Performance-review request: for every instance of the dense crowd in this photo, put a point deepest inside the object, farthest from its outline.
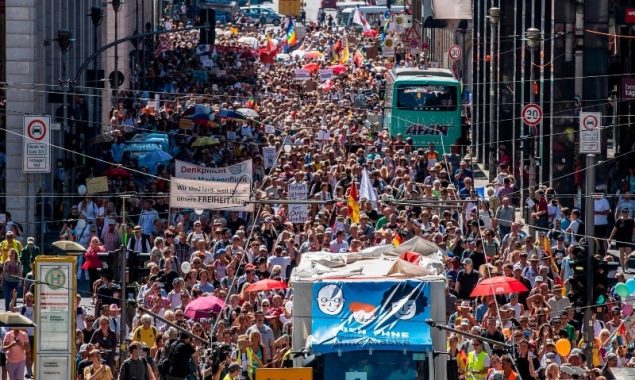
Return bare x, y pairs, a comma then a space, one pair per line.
334, 131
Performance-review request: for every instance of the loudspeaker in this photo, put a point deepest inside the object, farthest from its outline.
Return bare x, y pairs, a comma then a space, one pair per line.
207, 35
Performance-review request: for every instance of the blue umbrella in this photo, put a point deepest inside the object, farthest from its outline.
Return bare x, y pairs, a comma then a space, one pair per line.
230, 114
153, 159
154, 138
142, 147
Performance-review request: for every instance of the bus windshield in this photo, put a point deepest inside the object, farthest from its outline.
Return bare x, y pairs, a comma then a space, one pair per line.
421, 97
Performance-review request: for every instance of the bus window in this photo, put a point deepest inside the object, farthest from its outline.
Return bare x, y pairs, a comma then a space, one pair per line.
419, 97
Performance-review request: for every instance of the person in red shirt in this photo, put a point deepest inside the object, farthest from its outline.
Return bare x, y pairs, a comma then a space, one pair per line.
540, 214
16, 344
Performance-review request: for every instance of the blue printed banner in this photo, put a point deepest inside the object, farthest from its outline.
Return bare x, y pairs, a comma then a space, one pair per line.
383, 315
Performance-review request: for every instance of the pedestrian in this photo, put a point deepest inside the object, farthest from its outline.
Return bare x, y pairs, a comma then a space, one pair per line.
16, 346
11, 272
136, 367
181, 353
97, 370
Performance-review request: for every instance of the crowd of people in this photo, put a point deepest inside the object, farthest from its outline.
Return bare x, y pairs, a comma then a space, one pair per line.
334, 131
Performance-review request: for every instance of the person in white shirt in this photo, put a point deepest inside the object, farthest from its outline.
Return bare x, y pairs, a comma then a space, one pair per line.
601, 210
338, 244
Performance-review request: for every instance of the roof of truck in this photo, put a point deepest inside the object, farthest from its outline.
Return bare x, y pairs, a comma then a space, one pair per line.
377, 263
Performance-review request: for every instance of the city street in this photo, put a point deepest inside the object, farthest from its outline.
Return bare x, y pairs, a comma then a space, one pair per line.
303, 201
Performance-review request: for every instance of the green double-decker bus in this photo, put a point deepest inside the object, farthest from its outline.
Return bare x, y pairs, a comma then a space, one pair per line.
424, 104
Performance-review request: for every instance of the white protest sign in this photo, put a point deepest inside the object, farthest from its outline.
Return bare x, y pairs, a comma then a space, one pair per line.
298, 213
270, 129
232, 174
302, 74
209, 195
323, 135
269, 156
325, 74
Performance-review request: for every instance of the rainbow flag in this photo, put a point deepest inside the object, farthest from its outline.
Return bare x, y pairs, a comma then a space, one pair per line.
345, 52
292, 39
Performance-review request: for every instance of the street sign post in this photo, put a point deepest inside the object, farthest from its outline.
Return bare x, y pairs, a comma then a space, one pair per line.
590, 135
36, 149
532, 114
455, 52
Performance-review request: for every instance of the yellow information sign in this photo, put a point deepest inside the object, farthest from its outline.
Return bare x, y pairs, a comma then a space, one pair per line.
303, 373
97, 185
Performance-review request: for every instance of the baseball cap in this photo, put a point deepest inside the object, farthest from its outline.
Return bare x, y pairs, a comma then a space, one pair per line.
30, 240
466, 261
539, 278
83, 347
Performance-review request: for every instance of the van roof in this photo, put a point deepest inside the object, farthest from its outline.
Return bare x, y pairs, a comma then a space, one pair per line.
415, 71
375, 9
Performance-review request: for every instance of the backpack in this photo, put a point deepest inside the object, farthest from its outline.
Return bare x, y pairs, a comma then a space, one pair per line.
165, 362
125, 369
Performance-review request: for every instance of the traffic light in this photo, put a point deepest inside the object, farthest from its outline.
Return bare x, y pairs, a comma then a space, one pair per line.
137, 268
526, 143
600, 280
578, 281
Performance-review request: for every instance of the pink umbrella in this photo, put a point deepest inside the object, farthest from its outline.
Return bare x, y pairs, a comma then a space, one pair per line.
338, 69
371, 33
202, 307
313, 54
312, 67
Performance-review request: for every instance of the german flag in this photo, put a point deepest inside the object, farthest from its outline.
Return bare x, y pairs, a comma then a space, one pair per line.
353, 203
396, 239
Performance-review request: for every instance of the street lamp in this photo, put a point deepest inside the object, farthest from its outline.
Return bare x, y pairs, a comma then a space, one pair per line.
96, 17
534, 37
116, 6
64, 41
492, 144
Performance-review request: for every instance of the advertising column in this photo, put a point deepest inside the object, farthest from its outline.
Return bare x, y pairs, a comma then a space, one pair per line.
55, 281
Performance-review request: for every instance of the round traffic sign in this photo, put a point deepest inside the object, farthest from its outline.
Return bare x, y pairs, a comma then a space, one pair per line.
590, 122
36, 130
455, 52
532, 114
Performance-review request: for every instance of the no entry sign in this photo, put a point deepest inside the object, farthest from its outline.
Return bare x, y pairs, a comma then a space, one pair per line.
36, 150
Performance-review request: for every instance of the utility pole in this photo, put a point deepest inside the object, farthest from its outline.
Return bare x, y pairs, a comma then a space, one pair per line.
124, 295
492, 144
533, 41
589, 232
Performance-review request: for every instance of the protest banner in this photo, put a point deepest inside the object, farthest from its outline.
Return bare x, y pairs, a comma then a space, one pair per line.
209, 195
325, 74
240, 172
97, 185
269, 156
298, 213
302, 74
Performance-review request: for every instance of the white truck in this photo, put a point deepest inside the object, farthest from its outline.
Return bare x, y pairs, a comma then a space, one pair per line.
363, 315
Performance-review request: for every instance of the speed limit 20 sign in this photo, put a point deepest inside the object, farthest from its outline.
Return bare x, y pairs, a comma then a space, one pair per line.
532, 114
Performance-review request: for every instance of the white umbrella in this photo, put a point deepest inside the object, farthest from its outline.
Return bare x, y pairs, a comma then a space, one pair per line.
298, 53
248, 113
251, 41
